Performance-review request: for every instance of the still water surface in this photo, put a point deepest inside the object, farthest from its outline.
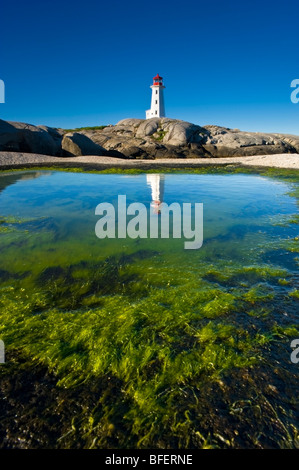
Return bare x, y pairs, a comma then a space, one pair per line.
153, 345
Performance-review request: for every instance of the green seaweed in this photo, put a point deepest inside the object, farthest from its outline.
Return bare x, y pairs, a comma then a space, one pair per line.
295, 294
149, 347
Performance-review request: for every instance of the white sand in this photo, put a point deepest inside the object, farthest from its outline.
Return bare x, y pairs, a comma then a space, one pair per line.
15, 159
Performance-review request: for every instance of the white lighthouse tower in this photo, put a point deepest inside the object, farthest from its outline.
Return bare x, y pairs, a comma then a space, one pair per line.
157, 104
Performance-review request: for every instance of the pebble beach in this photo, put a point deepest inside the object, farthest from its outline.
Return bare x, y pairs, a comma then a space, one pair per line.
12, 160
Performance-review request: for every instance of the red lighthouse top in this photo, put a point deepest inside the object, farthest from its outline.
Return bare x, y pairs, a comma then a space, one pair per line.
158, 80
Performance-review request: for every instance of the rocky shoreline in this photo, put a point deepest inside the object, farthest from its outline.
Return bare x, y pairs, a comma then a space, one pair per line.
137, 139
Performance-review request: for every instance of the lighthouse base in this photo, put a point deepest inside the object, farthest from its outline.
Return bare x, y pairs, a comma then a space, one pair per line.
149, 114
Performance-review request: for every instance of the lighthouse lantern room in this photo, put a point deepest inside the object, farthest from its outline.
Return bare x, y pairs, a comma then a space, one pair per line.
157, 103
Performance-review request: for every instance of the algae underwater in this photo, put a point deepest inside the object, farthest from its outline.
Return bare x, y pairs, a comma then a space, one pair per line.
140, 343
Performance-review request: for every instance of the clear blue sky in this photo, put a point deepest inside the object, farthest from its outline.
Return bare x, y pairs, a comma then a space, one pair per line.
78, 63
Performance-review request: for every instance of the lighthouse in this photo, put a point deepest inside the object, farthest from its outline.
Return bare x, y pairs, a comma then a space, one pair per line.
157, 103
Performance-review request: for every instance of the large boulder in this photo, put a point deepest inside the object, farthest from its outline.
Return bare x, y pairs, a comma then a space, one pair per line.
77, 144
21, 137
289, 139
132, 151
129, 124
223, 142
180, 133
148, 127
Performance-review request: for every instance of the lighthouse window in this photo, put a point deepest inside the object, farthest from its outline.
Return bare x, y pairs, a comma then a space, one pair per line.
156, 101
156, 92
156, 112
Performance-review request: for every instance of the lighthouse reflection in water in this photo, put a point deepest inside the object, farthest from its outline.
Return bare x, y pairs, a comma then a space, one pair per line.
156, 182
183, 217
